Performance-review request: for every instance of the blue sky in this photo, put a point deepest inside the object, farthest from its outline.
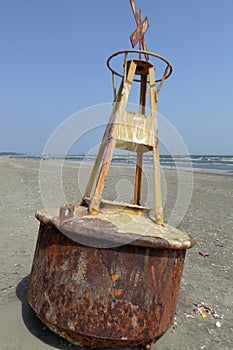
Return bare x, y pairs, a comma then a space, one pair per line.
53, 64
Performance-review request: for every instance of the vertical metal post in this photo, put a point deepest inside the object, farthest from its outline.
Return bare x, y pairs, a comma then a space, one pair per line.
157, 180
95, 203
111, 142
94, 171
138, 176
143, 93
114, 85
103, 145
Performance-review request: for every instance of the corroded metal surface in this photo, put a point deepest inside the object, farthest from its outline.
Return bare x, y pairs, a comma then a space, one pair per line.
167, 72
138, 34
114, 297
130, 131
118, 224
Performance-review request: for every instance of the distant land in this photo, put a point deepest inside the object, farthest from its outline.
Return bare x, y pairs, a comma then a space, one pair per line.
12, 154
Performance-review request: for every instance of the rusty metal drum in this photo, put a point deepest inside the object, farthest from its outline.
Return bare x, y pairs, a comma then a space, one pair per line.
103, 295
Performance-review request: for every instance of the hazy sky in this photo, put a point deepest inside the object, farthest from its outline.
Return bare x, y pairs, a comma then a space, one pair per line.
53, 64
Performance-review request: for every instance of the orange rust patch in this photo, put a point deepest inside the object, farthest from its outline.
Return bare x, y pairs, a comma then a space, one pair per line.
73, 272
153, 275
117, 293
115, 277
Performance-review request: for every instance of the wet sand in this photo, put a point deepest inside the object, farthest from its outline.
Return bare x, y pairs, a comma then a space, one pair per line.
209, 219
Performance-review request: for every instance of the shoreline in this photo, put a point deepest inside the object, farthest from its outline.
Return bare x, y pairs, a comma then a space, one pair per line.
131, 164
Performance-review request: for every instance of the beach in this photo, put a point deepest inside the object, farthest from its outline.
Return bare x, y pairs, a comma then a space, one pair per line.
207, 277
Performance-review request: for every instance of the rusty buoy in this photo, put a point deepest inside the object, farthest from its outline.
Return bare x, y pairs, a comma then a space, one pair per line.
106, 274
107, 297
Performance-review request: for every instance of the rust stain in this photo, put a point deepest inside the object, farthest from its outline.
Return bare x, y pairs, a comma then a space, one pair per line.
153, 275
104, 297
138, 34
115, 277
118, 292
109, 226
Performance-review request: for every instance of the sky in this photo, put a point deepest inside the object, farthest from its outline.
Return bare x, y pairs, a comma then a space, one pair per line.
53, 64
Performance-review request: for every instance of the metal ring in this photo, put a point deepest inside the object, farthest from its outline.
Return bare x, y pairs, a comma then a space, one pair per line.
141, 52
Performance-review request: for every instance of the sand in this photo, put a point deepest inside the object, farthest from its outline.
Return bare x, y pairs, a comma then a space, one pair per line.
209, 219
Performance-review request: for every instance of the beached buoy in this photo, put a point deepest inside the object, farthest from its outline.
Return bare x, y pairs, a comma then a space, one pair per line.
107, 297
106, 274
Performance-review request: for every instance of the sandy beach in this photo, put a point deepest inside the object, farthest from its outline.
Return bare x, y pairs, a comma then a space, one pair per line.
207, 280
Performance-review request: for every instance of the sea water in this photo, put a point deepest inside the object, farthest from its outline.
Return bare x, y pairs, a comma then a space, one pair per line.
207, 163
210, 163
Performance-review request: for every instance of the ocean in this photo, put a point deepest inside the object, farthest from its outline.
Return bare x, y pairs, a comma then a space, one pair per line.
202, 163
208, 163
